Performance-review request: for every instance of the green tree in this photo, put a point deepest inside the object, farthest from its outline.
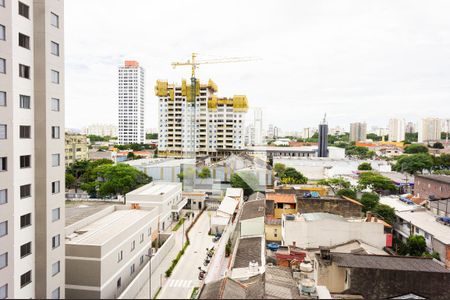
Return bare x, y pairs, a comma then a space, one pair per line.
369, 201
365, 166
359, 152
416, 245
416, 148
246, 180
70, 180
437, 145
376, 182
347, 192
335, 183
204, 173
279, 169
374, 137
96, 138
151, 136
411, 137
385, 212
131, 156
292, 176
441, 162
414, 163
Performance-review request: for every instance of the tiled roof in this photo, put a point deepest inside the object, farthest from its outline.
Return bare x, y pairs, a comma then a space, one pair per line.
249, 249
281, 198
387, 262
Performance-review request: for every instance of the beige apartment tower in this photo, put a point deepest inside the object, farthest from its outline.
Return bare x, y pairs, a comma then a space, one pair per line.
32, 149
358, 132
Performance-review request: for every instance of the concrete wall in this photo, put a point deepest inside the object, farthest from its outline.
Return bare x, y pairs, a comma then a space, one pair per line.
252, 227
270, 231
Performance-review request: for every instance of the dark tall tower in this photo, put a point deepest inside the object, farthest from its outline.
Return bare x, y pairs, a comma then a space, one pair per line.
323, 138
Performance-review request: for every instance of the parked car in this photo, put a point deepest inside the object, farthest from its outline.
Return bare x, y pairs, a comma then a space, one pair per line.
217, 237
273, 246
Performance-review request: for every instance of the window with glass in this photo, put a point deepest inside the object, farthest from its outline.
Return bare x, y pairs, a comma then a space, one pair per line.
25, 279
56, 214
54, 20
25, 161
24, 10
25, 191
55, 132
55, 241
24, 41
3, 131
56, 294
3, 164
56, 268
25, 250
24, 71
25, 220
55, 187
55, 104
25, 132
4, 289
2, 65
3, 260
2, 98
3, 196
55, 160
55, 48
55, 76
2, 32
3, 228
25, 101
2, 3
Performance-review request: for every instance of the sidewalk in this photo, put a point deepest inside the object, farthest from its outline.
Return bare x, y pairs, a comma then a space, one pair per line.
158, 275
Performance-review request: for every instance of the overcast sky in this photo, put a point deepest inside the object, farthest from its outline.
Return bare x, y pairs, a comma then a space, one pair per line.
355, 60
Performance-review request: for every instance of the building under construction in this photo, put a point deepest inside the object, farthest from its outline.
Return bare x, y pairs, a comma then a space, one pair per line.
196, 123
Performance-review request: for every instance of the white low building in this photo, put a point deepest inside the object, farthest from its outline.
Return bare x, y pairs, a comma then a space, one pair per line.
166, 196
312, 230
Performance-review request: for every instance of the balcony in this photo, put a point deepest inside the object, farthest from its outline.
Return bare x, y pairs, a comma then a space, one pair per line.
178, 207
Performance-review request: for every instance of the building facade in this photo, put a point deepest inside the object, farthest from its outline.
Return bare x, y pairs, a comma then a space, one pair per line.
200, 127
323, 139
101, 130
131, 103
358, 132
32, 149
258, 126
396, 130
76, 148
429, 130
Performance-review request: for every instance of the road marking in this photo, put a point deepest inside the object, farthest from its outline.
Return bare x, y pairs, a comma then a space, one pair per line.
179, 283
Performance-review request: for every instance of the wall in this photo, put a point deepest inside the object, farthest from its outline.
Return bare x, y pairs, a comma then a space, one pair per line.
424, 187
251, 227
270, 233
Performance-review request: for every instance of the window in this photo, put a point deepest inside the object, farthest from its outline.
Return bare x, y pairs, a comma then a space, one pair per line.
2, 3
3, 132
55, 160
4, 289
2, 98
24, 41
55, 76
25, 101
2, 65
119, 256
55, 104
142, 237
141, 260
54, 20
3, 260
25, 250
25, 132
133, 245
55, 241
149, 231
132, 269
55, 48
24, 10
3, 228
25, 161
3, 164
25, 191
2, 33
3, 196
55, 268
25, 279
56, 294
55, 187
25, 221
119, 282
24, 71
56, 214
55, 132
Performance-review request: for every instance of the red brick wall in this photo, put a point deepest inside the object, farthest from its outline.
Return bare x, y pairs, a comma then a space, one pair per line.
424, 187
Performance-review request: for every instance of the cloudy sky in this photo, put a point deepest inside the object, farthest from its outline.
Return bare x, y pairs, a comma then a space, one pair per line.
354, 60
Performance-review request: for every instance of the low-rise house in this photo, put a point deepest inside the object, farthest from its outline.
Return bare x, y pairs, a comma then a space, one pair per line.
166, 196
196, 200
272, 229
251, 221
281, 203
436, 190
228, 288
249, 258
106, 249
382, 276
323, 229
235, 193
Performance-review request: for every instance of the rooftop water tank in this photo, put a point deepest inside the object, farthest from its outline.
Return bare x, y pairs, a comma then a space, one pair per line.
307, 286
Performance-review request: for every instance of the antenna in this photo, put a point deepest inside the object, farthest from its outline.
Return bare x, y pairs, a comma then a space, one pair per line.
324, 119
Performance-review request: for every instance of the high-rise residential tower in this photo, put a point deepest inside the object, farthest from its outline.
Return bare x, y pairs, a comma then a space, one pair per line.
131, 103
202, 127
258, 126
396, 130
323, 139
429, 130
410, 127
358, 132
32, 149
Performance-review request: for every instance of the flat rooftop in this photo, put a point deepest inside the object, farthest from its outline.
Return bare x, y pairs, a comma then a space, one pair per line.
104, 229
440, 178
398, 205
161, 162
78, 210
427, 221
249, 249
156, 188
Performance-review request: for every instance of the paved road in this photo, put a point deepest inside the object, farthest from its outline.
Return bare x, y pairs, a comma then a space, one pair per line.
185, 276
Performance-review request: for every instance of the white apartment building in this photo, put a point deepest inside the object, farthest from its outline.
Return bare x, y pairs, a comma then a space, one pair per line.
358, 132
32, 149
396, 130
101, 130
429, 130
203, 127
131, 103
258, 126
166, 196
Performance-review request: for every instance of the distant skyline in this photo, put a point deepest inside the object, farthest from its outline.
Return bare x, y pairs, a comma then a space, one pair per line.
355, 60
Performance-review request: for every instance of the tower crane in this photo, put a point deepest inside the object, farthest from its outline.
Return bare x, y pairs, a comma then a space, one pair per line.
194, 63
